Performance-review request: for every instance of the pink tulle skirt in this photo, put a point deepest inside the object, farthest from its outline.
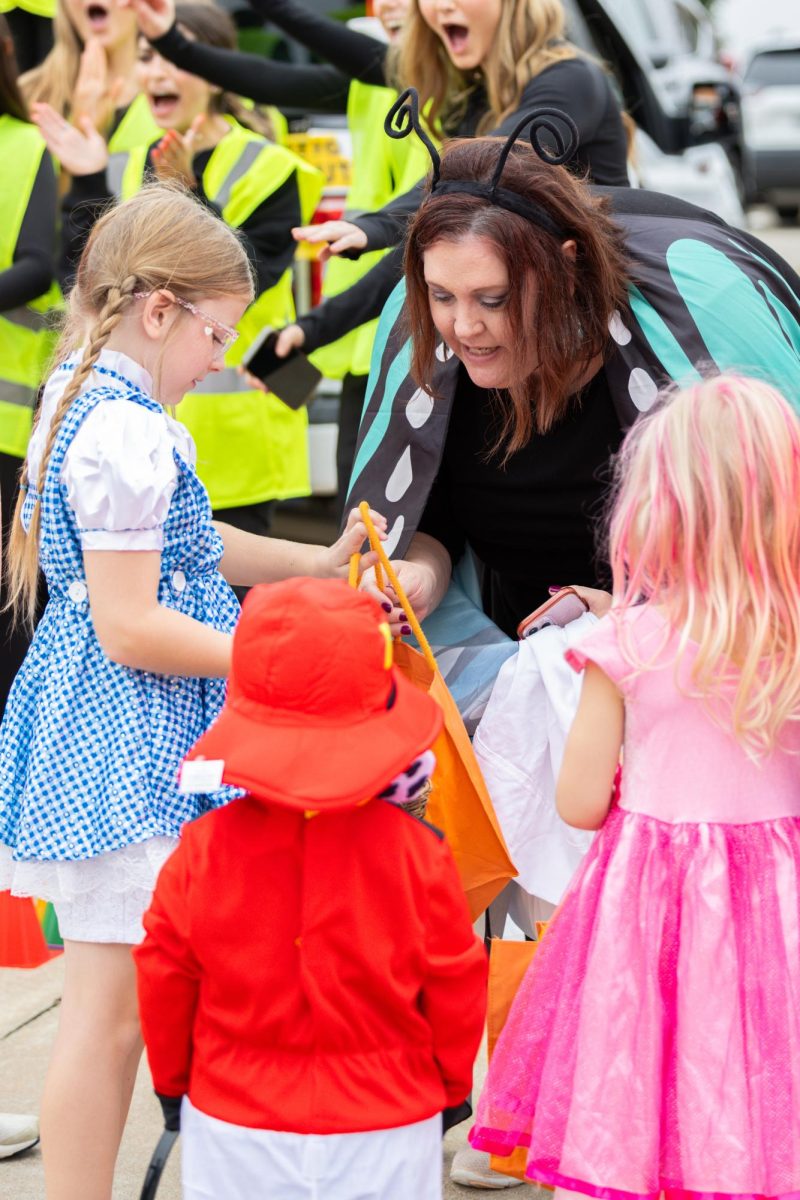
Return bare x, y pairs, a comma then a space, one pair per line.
654, 1044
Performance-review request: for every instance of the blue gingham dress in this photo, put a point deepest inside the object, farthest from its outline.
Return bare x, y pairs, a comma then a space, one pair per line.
89, 749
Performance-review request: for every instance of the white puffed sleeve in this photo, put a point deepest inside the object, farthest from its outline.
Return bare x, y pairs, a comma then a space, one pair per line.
120, 474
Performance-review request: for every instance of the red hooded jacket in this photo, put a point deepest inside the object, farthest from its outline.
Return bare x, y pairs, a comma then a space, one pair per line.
311, 975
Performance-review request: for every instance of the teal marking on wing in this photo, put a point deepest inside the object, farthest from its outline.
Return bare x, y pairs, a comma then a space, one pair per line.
394, 377
787, 319
764, 263
734, 319
662, 340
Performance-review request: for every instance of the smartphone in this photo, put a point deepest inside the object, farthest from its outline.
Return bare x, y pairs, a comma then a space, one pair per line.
559, 610
293, 379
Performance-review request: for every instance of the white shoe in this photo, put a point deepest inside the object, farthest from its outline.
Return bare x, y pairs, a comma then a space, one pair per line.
472, 1168
17, 1133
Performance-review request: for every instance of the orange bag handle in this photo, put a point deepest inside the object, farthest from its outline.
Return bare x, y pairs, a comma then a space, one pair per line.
383, 564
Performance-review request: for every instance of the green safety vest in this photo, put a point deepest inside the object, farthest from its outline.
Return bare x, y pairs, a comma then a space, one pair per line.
250, 445
382, 169
27, 333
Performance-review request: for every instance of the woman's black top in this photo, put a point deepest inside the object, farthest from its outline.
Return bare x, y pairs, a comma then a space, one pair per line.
266, 231
33, 268
530, 521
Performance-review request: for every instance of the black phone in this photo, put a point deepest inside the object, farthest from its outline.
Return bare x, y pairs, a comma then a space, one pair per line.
293, 379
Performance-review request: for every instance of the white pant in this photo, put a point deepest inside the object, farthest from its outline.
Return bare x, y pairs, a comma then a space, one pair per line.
233, 1162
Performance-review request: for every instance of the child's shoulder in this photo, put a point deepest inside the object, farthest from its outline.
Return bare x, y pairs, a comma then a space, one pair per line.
618, 640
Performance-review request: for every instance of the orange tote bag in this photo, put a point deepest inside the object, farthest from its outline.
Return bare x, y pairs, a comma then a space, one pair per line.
459, 803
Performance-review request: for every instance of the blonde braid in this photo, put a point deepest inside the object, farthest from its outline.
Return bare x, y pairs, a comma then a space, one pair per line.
22, 560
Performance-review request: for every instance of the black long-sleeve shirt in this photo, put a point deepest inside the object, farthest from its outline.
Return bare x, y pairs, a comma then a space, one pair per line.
266, 231
33, 268
322, 88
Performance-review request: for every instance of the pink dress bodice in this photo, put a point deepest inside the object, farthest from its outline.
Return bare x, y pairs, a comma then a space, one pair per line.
679, 763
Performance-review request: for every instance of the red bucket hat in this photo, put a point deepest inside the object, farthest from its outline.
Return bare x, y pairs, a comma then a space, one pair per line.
316, 715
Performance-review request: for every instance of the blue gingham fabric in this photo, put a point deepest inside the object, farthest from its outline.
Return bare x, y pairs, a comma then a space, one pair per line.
89, 749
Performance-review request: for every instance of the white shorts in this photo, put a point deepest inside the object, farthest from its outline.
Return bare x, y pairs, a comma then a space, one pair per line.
238, 1163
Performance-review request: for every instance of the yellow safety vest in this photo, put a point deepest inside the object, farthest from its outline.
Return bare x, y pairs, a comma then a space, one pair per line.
250, 445
27, 333
39, 8
382, 169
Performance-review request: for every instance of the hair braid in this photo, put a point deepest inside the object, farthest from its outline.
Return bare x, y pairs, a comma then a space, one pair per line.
22, 563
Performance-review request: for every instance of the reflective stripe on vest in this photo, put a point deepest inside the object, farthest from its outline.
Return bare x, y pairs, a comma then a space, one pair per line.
27, 335
250, 446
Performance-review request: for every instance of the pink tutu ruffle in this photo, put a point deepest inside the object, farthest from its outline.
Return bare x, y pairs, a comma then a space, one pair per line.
654, 1044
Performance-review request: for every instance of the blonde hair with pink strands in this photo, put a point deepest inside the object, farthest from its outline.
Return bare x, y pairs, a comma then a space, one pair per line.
706, 525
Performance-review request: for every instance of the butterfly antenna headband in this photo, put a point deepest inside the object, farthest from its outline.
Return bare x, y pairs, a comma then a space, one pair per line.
403, 119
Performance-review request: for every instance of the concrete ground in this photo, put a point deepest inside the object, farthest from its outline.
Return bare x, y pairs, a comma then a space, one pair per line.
29, 1003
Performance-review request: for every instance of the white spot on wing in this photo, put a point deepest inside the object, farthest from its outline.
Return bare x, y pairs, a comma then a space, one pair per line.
618, 329
400, 478
394, 535
643, 390
419, 408
443, 352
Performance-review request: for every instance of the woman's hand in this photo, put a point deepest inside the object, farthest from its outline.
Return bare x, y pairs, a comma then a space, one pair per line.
174, 154
81, 150
595, 599
419, 583
290, 338
95, 94
155, 17
335, 559
339, 236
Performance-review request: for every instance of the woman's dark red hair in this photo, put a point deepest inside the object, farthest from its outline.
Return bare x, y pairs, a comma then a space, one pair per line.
558, 309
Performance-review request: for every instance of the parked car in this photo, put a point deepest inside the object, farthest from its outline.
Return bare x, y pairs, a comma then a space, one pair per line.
771, 116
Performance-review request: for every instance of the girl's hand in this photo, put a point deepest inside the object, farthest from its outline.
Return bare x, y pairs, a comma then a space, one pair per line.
340, 236
335, 559
155, 17
81, 151
95, 94
292, 337
419, 584
173, 156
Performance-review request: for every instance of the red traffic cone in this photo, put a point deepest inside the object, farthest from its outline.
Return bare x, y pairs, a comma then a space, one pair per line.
22, 942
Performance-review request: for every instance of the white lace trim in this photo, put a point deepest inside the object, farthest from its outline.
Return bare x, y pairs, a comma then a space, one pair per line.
101, 899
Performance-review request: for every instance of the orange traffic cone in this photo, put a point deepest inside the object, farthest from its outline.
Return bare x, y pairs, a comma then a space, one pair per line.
22, 942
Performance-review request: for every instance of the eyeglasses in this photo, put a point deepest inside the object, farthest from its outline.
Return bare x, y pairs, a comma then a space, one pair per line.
222, 335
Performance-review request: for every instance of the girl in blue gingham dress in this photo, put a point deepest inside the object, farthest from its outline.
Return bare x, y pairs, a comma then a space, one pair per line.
128, 662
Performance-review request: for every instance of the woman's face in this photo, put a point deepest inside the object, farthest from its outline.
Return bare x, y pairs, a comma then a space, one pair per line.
466, 27
392, 15
175, 97
104, 20
468, 289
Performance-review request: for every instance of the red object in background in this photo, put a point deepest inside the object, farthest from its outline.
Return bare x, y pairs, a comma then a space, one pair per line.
331, 208
22, 942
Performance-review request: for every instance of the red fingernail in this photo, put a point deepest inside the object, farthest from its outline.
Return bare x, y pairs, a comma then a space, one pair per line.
553, 590
405, 629
386, 606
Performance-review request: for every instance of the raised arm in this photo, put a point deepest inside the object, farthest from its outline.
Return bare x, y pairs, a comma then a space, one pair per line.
354, 54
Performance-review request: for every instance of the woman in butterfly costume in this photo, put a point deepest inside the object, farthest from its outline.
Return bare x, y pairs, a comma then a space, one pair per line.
537, 318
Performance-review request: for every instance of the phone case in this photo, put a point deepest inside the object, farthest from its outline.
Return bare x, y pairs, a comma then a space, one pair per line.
293, 379
559, 610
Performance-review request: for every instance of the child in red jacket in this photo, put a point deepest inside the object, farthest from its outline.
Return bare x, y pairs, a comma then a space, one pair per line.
310, 984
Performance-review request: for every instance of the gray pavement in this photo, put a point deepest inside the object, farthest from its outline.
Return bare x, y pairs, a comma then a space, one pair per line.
29, 1005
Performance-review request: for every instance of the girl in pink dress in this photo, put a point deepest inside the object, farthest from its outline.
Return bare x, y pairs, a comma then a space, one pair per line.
654, 1045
